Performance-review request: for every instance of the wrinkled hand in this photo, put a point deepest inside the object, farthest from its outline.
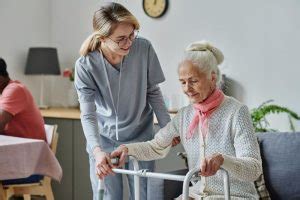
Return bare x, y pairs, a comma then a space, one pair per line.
103, 165
175, 141
211, 164
121, 152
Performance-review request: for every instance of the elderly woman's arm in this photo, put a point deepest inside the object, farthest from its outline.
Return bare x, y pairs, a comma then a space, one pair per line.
246, 165
158, 147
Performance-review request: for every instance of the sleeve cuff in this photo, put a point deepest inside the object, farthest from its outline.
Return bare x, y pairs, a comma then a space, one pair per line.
130, 148
8, 110
92, 148
228, 162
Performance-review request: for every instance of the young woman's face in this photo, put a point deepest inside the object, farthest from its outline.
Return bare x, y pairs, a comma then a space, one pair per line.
195, 84
121, 39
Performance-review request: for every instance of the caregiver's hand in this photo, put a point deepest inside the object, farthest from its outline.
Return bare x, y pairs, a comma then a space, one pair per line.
103, 165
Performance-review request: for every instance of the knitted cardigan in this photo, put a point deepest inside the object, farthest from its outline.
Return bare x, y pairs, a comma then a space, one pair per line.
230, 132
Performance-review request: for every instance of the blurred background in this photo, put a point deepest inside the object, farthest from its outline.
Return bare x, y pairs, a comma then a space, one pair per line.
260, 41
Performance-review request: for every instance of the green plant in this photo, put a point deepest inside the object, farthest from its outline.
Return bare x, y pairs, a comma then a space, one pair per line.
259, 114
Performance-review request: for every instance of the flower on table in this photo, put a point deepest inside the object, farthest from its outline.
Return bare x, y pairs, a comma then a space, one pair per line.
69, 73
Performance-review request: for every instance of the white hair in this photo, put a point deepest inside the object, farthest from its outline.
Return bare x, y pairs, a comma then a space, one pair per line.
206, 57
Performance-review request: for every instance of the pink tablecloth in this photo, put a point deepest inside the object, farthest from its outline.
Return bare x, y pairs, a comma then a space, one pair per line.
22, 157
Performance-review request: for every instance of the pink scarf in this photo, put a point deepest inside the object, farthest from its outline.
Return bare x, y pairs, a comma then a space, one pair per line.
203, 111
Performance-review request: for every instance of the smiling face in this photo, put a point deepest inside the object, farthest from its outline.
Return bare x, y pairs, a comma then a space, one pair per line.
195, 84
120, 41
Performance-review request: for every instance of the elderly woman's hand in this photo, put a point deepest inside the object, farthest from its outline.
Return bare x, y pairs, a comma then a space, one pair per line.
211, 164
121, 152
175, 141
103, 165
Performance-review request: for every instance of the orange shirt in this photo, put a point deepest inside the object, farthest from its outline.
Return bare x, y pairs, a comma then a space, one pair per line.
27, 121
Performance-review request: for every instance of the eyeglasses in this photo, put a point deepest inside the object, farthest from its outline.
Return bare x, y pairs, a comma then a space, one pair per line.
123, 41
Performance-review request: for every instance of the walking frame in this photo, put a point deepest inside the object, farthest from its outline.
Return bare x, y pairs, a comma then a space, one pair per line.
192, 175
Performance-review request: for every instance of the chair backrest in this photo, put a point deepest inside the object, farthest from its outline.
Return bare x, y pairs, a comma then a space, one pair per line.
281, 163
52, 136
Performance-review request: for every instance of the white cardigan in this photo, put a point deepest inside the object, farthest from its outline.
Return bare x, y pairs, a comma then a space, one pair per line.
230, 132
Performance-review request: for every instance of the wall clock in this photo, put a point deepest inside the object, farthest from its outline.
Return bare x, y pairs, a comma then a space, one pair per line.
155, 8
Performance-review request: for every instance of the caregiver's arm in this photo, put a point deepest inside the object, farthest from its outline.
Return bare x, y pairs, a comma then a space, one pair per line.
156, 148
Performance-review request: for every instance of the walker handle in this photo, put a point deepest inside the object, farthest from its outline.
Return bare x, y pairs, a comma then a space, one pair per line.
115, 160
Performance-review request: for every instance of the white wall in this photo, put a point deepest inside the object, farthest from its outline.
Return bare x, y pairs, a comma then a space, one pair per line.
260, 41
23, 24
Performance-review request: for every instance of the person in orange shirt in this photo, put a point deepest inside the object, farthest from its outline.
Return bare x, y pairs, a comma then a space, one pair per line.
19, 115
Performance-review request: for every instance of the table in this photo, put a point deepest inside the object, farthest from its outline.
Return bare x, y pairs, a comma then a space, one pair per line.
22, 157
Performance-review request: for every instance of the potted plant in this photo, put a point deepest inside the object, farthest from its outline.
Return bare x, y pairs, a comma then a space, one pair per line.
259, 114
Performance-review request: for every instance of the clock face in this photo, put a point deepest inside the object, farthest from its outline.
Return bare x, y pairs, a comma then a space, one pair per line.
155, 8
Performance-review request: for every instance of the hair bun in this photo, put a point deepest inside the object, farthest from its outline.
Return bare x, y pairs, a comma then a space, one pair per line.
206, 46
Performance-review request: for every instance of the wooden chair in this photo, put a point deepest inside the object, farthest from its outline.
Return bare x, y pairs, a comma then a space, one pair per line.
41, 187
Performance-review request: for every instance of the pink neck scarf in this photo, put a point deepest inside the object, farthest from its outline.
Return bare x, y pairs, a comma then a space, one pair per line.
203, 111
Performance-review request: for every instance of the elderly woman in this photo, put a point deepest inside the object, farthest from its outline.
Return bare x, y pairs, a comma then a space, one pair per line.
215, 130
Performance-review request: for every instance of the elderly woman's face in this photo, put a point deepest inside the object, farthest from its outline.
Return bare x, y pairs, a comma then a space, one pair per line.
195, 84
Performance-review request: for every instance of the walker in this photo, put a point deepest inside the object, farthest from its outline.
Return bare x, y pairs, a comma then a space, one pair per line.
192, 175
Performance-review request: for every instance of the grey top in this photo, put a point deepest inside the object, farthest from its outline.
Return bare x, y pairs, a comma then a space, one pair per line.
139, 95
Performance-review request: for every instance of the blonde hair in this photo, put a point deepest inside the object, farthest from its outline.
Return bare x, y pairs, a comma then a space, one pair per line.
104, 22
206, 57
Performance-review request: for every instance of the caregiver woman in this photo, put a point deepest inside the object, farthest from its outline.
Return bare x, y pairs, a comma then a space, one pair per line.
117, 80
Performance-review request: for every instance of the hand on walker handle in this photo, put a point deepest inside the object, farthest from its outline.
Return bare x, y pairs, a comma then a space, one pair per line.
103, 164
115, 161
175, 141
211, 164
121, 152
